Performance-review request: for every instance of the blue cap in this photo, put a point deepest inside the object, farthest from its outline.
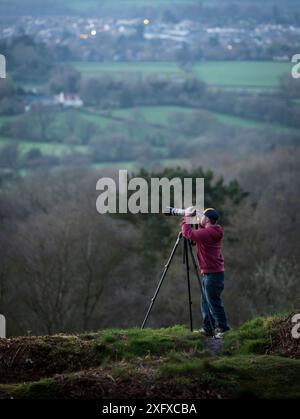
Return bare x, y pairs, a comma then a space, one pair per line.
211, 213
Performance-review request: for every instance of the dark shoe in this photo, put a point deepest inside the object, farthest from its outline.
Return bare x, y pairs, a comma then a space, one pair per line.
207, 333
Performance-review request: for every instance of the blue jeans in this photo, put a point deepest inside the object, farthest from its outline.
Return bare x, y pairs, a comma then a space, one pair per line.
213, 285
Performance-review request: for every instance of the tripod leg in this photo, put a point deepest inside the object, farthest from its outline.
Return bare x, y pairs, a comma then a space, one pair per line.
186, 261
162, 278
204, 296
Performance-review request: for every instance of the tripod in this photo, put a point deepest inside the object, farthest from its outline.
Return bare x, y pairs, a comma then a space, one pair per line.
187, 248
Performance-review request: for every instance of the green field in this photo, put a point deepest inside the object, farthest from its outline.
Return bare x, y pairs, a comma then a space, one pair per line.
244, 122
243, 73
53, 149
92, 69
81, 5
4, 119
220, 73
100, 120
152, 114
134, 166
161, 115
96, 5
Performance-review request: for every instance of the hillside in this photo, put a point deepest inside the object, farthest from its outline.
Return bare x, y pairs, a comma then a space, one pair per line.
261, 359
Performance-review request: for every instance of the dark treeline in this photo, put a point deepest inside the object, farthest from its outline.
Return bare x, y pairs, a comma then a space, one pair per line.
28, 60
65, 268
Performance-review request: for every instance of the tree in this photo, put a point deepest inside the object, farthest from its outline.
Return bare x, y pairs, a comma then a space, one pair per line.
62, 257
9, 156
29, 60
64, 78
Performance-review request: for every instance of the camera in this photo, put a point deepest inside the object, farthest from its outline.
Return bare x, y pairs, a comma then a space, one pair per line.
179, 212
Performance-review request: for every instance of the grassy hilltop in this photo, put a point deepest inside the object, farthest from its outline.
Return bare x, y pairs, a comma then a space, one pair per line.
261, 359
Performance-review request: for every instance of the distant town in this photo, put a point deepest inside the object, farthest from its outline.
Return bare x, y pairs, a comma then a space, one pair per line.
141, 39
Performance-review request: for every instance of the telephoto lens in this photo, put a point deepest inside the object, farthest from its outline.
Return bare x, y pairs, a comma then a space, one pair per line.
179, 212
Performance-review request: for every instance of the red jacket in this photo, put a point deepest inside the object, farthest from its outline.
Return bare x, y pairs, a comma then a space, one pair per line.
209, 246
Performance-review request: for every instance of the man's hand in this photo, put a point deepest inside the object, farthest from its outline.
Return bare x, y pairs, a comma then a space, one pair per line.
190, 212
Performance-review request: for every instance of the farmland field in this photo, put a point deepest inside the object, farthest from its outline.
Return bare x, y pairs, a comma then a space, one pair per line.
223, 73
94, 5
135, 166
153, 114
81, 5
53, 149
243, 73
92, 69
161, 115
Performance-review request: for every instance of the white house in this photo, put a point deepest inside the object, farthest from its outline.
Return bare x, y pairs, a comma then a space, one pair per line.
68, 101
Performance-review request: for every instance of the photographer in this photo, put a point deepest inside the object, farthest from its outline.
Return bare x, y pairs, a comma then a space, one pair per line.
208, 238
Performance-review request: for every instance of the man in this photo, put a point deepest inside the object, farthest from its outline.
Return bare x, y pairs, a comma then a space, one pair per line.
208, 239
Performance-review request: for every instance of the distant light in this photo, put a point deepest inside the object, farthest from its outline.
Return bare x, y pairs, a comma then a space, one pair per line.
83, 36
230, 47
146, 21
93, 32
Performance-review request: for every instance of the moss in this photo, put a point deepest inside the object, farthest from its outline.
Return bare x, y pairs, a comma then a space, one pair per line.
109, 338
176, 356
238, 376
184, 367
87, 336
43, 389
130, 343
251, 338
242, 376
260, 376
159, 355
67, 338
255, 376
